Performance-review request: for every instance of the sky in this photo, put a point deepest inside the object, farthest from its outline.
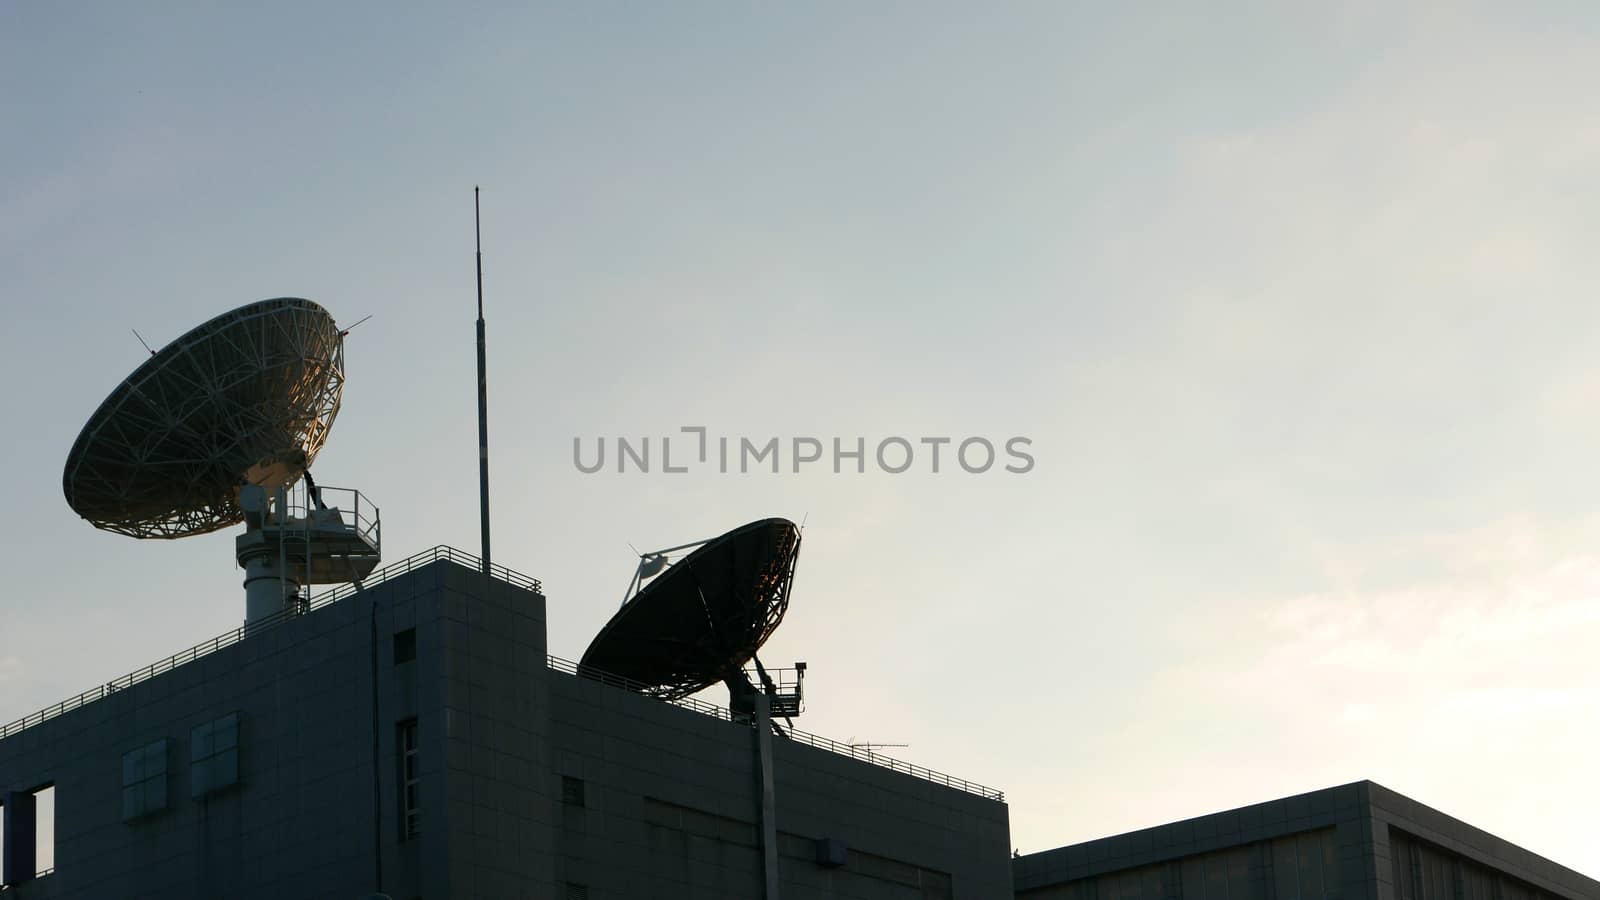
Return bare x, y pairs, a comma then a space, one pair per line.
1292, 302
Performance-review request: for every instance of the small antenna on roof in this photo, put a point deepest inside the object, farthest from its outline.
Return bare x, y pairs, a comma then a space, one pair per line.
483, 392
353, 327
141, 340
871, 746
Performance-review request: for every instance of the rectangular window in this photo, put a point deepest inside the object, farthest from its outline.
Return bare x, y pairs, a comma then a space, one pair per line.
144, 780
214, 756
571, 790
405, 646
406, 741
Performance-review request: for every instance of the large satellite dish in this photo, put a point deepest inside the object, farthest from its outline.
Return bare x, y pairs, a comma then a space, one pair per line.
246, 398
218, 429
703, 618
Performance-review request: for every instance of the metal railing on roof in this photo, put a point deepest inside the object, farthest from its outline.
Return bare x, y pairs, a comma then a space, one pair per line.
794, 734
229, 638
638, 687
460, 557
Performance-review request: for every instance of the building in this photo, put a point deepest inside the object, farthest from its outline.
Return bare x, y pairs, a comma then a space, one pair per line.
1359, 841
413, 736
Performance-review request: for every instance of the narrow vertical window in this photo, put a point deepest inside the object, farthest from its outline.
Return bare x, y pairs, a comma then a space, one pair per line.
405, 646
407, 744
572, 790
44, 813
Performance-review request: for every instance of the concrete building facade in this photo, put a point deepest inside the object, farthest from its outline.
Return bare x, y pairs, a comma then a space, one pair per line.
1358, 841
414, 737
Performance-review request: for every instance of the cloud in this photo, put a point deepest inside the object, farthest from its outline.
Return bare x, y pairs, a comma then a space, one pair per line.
1452, 630
1454, 666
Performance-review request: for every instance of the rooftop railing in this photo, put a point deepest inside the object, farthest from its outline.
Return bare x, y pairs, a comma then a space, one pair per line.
229, 638
864, 754
509, 576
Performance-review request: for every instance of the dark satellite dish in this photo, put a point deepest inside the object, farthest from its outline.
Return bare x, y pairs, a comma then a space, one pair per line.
245, 399
703, 618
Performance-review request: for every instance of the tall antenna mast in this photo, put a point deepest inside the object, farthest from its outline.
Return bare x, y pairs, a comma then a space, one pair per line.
483, 392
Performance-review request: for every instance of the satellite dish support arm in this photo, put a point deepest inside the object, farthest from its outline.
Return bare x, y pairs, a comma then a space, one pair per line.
638, 572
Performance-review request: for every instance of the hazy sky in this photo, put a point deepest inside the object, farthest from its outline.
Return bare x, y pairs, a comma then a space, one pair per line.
1295, 301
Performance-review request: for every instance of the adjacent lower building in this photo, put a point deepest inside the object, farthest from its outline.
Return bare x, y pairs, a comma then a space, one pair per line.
414, 737
1359, 841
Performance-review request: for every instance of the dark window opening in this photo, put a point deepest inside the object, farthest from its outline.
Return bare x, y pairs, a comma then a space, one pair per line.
572, 790
144, 781
832, 853
405, 646
27, 835
406, 741
214, 756
577, 891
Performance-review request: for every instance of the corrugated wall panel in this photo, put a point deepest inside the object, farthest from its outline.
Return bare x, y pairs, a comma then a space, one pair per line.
1300, 866
1423, 871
